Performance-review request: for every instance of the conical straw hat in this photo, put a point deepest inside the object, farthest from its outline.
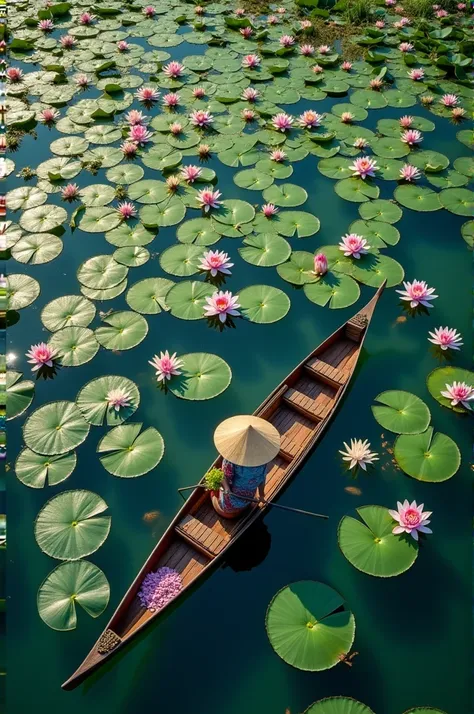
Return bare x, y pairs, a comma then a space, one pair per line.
247, 440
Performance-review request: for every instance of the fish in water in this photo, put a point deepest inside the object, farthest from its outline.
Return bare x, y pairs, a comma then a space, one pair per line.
353, 490
401, 318
151, 516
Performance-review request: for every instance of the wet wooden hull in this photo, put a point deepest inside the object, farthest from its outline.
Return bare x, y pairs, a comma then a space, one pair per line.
301, 408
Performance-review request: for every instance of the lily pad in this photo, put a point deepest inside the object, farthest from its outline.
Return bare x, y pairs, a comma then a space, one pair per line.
122, 331
356, 190
75, 345
187, 299
439, 378
234, 212
285, 194
263, 304
203, 376
299, 269
381, 210
374, 269
148, 295
181, 260
265, 250
338, 705
97, 219
427, 457
55, 428
335, 291
19, 394
21, 291
299, 223
252, 180
402, 413
127, 453
93, 403
132, 256
37, 248
101, 272
37, 471
418, 198
198, 231
458, 200
377, 233
43, 219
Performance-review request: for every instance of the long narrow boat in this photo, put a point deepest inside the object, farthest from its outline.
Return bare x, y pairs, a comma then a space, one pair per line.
301, 408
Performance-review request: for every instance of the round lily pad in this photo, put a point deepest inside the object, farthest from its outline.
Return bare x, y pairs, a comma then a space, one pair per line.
37, 471
124, 174
21, 291
429, 161
37, 248
299, 269
199, 231
130, 234
122, 331
97, 194
93, 403
467, 232
335, 291
370, 546
106, 294
424, 710
299, 223
356, 190
374, 269
234, 212
69, 526
55, 428
148, 295
265, 250
187, 299
101, 272
203, 376
80, 583
308, 626
285, 194
263, 304
458, 200
427, 457
97, 219
19, 394
381, 210
402, 412
182, 259
377, 233
75, 345
338, 705
439, 378
337, 167
418, 198
132, 256
127, 453
43, 219
252, 180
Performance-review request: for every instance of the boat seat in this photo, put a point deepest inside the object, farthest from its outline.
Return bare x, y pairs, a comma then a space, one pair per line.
312, 398
326, 372
200, 536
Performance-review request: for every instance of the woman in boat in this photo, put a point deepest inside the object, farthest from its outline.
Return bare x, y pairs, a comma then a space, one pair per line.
247, 444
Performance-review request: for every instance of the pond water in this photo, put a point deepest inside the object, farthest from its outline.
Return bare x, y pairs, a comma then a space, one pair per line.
211, 653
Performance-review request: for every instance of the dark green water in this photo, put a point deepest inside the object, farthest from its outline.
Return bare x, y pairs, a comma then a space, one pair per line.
211, 654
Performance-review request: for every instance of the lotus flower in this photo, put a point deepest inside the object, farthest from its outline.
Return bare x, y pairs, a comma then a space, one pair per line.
251, 61
277, 155
199, 92
166, 365
41, 355
82, 81
272, 19
408, 172
240, 12
173, 70
441, 13
427, 100
346, 66
282, 121
281, 10
305, 24
405, 21
353, 245
250, 94
70, 192
176, 128
148, 95
309, 119
199, 10
405, 47
458, 113
134, 117
173, 183
358, 454
376, 84
67, 41
449, 100
191, 173
446, 338
14, 74
49, 115
221, 304
208, 199
412, 137
45, 25
411, 519
123, 46
139, 134
307, 50
246, 32
117, 399
204, 151
128, 149
171, 100
317, 69
149, 11
269, 210
364, 167
201, 118
459, 393
324, 49
248, 115
287, 40
390, 3
380, 24
461, 6
216, 261
347, 117
126, 210
320, 264
360, 143
416, 74
406, 121
417, 293
86, 18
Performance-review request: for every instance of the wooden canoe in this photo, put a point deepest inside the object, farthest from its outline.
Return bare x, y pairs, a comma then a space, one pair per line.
301, 408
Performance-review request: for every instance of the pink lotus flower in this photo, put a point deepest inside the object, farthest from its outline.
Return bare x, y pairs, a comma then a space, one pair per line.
346, 66
427, 100
405, 47
269, 210
281, 10
201, 118
149, 11
123, 46
14, 74
118, 399
459, 393
86, 18
248, 115
173, 70
250, 94
216, 261
417, 293
126, 210
251, 61
461, 6
128, 149
139, 134
446, 338
49, 115
176, 128
191, 173
199, 92
272, 19
277, 155
405, 21
360, 143
307, 50
67, 41
441, 13
173, 183
148, 95
380, 24
222, 304
240, 12
364, 167
411, 519
82, 81
416, 74
70, 192
309, 119
199, 10
458, 113
320, 264
166, 365
134, 117
317, 69
171, 100
347, 117
449, 100
305, 24
204, 150
282, 121
324, 49
287, 40
406, 121
412, 137
376, 84
45, 25
246, 32
408, 172
390, 3
208, 199
353, 246
41, 355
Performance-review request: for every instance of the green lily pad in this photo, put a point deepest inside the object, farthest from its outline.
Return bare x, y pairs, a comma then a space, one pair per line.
93, 403
69, 146
424, 710
122, 331
80, 583
198, 231
439, 378
124, 174
467, 232
263, 304
132, 256
429, 161
37, 248
374, 269
43, 219
427, 457
376, 233
129, 454
181, 260
37, 471
98, 219
402, 413
308, 627
128, 235
390, 148
70, 527
101, 272
335, 291
265, 250
203, 376
418, 198
368, 99
21, 291
97, 194
299, 269
336, 167
371, 547
75, 345
356, 190
338, 705
167, 213
274, 169
187, 299
234, 212
25, 197
458, 200
106, 294
381, 210
465, 165
252, 180
148, 295
19, 394
55, 428
286, 195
